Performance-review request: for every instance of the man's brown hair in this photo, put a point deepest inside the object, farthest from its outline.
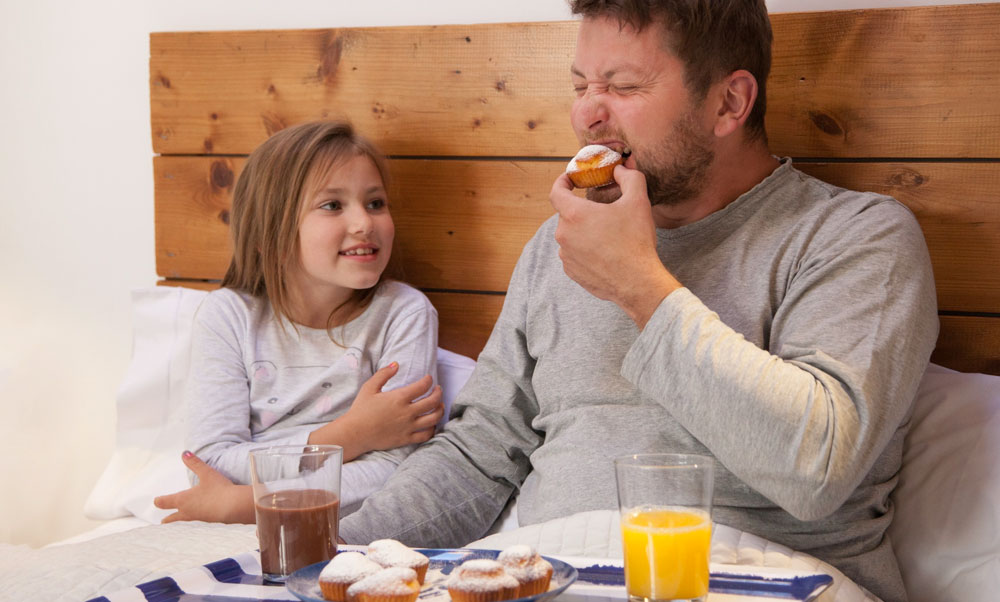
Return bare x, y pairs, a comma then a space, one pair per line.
267, 203
712, 38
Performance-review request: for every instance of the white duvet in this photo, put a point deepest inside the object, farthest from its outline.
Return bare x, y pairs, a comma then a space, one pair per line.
105, 565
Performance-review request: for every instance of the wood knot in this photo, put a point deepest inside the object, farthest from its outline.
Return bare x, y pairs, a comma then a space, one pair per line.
221, 175
907, 178
532, 125
207, 145
164, 81
330, 59
224, 216
501, 86
273, 123
826, 123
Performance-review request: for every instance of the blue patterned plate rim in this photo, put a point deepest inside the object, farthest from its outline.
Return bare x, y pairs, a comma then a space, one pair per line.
304, 583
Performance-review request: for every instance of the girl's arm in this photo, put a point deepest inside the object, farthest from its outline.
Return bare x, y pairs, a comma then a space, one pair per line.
384, 419
387, 412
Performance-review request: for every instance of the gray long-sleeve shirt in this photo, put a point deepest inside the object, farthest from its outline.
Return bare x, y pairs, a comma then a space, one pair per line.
792, 356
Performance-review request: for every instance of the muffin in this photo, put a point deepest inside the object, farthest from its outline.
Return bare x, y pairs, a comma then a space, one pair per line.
391, 553
340, 573
532, 572
593, 165
394, 584
481, 580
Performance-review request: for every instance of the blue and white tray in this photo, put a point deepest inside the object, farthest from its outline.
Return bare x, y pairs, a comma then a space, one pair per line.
238, 579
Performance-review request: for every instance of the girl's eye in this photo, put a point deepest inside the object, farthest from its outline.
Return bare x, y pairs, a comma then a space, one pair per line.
331, 206
376, 204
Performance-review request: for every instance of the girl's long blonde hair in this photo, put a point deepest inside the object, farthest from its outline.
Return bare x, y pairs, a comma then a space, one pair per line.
267, 202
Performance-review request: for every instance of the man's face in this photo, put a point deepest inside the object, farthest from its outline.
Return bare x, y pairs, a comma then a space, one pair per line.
631, 97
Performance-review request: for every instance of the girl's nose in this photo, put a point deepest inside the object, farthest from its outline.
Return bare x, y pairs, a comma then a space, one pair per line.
361, 222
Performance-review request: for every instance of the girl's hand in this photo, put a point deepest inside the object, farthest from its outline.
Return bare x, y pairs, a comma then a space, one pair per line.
384, 419
214, 499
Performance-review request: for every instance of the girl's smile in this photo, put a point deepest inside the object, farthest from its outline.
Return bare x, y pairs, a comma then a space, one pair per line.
345, 239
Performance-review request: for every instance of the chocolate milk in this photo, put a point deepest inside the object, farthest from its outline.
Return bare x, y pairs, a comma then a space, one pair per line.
296, 528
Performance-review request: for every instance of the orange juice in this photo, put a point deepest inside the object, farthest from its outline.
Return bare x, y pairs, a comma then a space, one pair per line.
666, 553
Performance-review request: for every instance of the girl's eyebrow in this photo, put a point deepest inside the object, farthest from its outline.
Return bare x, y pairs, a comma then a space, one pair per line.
369, 190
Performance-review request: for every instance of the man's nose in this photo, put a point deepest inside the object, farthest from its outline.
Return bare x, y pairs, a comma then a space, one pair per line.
590, 110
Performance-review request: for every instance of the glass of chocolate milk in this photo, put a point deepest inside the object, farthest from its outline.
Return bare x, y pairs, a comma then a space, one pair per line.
296, 490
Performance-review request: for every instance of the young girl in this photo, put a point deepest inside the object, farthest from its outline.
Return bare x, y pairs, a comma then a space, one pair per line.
306, 342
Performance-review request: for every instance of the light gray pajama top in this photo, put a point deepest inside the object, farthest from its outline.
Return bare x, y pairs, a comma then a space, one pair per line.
254, 383
792, 356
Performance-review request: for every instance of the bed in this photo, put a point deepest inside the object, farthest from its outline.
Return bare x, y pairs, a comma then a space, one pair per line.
474, 118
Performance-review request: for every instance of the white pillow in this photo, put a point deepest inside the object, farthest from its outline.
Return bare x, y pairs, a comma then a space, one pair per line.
946, 531
150, 431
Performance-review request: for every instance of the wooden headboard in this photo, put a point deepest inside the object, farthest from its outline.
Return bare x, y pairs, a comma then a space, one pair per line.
475, 119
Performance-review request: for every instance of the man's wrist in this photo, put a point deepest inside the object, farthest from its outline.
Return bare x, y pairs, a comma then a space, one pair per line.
642, 305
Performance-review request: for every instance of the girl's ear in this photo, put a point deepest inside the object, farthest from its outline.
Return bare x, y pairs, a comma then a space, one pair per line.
737, 95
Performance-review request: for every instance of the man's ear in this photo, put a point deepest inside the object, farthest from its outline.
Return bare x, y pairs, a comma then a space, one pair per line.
737, 94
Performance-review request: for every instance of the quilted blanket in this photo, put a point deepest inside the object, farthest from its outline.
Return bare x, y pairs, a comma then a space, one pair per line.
118, 561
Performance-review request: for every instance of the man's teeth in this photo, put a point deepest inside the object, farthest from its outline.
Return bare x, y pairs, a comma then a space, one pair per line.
360, 252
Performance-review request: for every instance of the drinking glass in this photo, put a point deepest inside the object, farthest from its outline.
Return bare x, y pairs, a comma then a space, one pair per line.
665, 501
296, 491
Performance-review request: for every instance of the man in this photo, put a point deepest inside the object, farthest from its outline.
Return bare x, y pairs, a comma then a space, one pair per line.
715, 300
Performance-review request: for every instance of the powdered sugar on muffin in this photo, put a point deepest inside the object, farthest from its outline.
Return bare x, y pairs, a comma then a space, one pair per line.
395, 584
593, 165
531, 570
481, 580
391, 553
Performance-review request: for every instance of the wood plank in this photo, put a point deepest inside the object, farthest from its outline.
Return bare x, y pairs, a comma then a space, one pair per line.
225, 92
462, 224
965, 343
958, 209
969, 344
465, 321
459, 224
912, 82
901, 82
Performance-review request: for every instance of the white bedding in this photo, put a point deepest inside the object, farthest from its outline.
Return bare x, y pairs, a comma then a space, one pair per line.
108, 564
78, 571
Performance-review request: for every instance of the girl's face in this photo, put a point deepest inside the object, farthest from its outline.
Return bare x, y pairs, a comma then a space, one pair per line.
345, 234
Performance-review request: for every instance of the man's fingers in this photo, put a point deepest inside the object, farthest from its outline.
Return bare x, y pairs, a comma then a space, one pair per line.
561, 196
631, 181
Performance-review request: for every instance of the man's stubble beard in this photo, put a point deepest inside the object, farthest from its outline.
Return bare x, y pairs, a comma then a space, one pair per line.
675, 171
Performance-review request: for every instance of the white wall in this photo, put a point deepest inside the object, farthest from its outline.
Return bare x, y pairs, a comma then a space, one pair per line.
76, 213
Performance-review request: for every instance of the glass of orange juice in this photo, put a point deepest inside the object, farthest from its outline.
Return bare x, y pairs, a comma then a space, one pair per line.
665, 502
